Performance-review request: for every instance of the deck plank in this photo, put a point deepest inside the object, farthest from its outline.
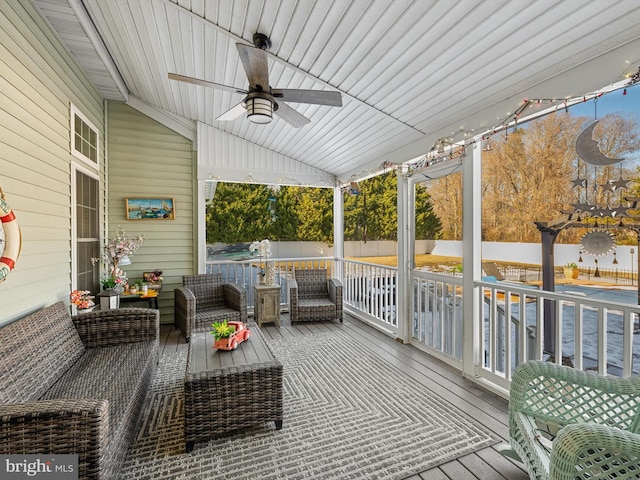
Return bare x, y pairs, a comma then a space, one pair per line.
434, 375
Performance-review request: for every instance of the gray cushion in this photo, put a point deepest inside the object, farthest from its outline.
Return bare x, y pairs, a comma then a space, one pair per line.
35, 351
108, 373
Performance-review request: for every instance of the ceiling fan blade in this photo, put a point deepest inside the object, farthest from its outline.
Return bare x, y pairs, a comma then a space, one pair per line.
290, 116
205, 83
232, 113
317, 97
254, 61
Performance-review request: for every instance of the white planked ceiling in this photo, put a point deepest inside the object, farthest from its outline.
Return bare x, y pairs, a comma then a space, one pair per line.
410, 72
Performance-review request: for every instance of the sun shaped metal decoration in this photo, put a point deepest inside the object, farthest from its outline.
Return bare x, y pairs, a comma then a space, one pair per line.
598, 242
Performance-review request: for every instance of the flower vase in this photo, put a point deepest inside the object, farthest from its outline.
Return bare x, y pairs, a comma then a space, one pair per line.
270, 273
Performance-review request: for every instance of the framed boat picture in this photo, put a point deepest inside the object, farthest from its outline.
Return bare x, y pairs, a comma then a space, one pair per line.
150, 208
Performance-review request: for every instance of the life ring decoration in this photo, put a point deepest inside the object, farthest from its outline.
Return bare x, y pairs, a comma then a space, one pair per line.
10, 239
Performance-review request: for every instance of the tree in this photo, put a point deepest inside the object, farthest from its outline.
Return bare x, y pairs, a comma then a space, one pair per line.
242, 213
446, 198
315, 215
286, 212
372, 214
528, 177
428, 224
239, 213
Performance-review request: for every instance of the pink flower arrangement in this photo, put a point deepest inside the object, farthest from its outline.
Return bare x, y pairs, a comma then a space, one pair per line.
82, 299
115, 250
155, 276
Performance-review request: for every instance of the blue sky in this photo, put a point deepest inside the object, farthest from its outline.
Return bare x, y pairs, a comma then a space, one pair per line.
611, 102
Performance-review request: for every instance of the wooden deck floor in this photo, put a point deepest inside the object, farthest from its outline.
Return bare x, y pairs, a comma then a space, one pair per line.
490, 410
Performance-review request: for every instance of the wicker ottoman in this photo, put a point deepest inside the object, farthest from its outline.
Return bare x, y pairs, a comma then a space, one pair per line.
230, 390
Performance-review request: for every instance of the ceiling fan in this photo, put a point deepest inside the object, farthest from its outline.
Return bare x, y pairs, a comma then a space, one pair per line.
261, 101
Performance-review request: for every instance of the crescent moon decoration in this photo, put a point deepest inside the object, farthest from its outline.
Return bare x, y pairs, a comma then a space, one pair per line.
587, 149
597, 242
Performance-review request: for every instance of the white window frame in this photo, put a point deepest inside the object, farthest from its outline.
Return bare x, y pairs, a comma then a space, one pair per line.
75, 167
75, 112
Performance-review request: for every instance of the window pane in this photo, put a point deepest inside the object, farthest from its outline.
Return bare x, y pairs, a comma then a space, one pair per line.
85, 139
87, 241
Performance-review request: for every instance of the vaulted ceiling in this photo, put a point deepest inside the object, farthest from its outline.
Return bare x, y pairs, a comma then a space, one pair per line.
410, 71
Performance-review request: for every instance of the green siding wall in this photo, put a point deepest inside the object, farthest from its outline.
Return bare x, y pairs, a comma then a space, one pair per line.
38, 81
146, 159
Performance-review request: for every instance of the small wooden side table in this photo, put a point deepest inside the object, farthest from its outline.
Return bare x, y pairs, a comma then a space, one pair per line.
151, 297
267, 306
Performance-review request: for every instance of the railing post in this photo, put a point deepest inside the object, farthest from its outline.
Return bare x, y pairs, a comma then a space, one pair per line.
471, 259
406, 239
338, 233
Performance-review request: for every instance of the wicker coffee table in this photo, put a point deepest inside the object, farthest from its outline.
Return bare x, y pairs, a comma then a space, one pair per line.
230, 390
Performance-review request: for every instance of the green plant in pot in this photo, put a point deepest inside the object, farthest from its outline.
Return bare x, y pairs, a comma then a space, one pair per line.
222, 330
136, 286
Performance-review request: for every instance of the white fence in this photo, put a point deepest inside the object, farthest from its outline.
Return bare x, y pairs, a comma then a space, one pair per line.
563, 254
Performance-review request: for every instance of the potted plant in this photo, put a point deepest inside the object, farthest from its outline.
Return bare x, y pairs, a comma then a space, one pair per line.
136, 286
263, 249
83, 300
571, 270
153, 279
228, 335
221, 333
114, 254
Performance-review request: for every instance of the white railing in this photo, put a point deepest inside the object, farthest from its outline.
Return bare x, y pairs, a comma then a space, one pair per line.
369, 291
245, 273
436, 301
590, 334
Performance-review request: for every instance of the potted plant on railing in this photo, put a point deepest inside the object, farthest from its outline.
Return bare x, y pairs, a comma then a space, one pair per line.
571, 271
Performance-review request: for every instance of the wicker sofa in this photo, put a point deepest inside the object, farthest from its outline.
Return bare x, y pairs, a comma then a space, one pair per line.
75, 385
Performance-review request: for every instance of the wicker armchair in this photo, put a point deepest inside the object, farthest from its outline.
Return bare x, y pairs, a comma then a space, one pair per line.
313, 296
204, 299
592, 423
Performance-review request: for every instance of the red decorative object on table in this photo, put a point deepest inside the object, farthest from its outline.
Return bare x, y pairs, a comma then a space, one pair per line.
240, 334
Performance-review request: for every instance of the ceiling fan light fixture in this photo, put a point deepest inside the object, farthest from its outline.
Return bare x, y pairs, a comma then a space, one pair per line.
259, 109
